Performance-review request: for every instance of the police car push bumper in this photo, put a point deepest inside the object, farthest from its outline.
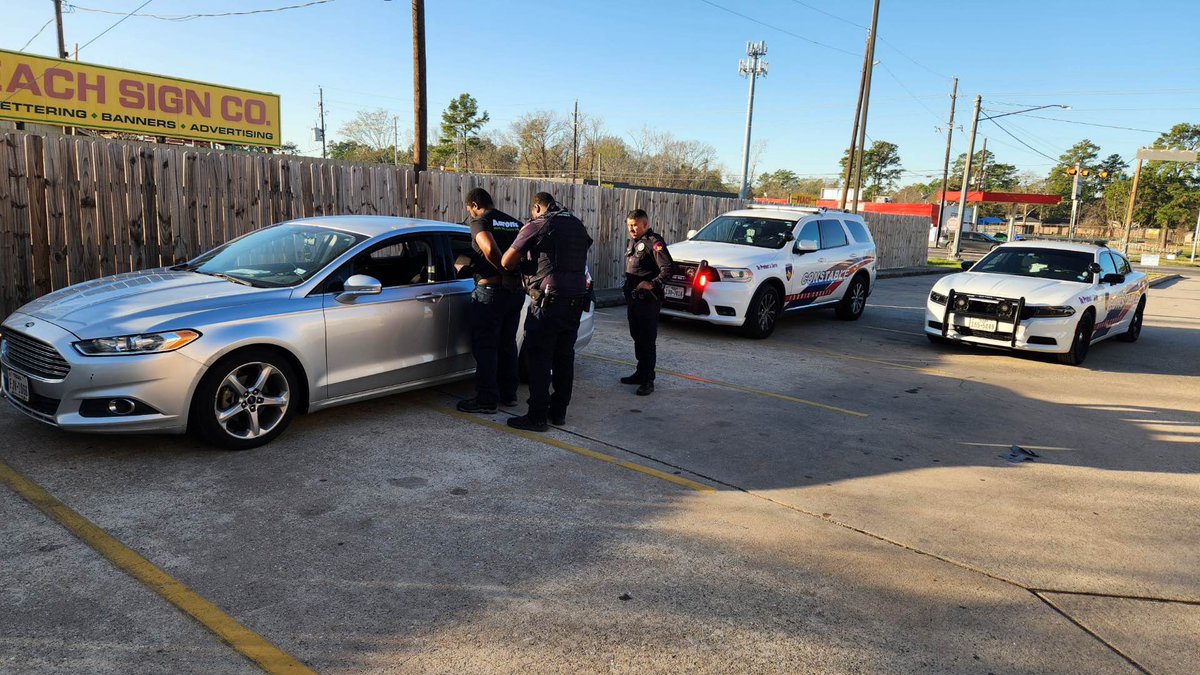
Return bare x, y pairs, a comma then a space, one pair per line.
99, 394
1034, 333
704, 300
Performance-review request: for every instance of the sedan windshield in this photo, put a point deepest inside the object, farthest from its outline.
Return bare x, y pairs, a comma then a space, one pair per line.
1041, 263
282, 255
747, 231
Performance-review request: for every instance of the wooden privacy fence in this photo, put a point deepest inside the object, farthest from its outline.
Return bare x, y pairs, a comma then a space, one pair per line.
75, 208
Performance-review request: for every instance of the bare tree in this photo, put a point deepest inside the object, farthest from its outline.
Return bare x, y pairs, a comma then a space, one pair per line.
543, 143
370, 128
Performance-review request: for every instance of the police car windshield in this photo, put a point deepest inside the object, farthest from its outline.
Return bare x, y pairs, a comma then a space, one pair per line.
1041, 263
747, 231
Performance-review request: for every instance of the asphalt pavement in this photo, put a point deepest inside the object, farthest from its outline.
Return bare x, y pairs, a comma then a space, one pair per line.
842, 497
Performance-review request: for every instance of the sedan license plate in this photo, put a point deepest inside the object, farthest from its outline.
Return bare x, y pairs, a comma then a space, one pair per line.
987, 325
18, 385
673, 292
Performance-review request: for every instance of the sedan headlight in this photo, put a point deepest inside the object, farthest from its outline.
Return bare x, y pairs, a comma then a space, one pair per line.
149, 343
937, 297
1056, 310
735, 274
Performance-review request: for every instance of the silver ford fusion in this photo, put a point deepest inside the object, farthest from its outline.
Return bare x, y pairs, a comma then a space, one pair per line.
292, 318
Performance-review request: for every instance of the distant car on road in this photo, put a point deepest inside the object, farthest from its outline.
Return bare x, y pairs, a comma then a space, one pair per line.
292, 318
978, 241
747, 268
1052, 297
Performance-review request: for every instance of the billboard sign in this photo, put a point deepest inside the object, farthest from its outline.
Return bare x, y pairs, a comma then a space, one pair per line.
43, 90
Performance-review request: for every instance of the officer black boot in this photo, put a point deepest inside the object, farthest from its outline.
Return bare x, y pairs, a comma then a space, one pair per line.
527, 423
632, 379
646, 389
475, 405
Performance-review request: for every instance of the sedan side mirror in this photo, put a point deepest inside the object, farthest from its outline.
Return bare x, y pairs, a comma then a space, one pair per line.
967, 265
1112, 278
805, 246
691, 233
357, 286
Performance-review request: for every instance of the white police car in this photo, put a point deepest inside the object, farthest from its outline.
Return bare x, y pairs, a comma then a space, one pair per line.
747, 267
1041, 296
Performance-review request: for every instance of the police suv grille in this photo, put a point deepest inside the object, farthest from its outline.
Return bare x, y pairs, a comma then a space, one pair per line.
34, 356
683, 272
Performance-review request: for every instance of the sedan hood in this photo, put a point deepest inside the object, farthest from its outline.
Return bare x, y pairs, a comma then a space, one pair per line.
1035, 291
723, 255
138, 302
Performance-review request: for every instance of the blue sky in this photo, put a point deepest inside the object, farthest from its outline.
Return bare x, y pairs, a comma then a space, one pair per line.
672, 65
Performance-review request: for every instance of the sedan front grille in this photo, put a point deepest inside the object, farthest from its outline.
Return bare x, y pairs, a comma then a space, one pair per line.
33, 357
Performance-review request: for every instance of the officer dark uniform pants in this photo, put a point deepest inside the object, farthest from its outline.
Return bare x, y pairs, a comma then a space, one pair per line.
550, 334
642, 309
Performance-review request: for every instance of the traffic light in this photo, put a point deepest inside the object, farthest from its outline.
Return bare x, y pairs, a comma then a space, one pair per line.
1070, 171
1085, 172
1103, 175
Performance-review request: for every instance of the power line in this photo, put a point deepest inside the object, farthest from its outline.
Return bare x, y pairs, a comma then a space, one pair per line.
777, 28
1095, 124
35, 35
189, 17
1001, 127
881, 39
909, 92
118, 23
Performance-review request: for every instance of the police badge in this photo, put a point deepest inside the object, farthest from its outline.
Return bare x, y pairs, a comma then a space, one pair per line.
788, 270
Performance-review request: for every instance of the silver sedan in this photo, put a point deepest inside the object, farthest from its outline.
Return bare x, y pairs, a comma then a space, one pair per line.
289, 319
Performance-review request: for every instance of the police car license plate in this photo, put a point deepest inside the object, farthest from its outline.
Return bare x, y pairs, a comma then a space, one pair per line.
18, 385
988, 325
673, 292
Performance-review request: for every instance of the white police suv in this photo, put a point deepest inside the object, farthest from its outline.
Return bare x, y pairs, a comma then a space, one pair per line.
747, 268
1041, 296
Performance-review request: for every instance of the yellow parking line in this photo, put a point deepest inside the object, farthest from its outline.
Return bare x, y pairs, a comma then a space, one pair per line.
549, 440
247, 643
736, 387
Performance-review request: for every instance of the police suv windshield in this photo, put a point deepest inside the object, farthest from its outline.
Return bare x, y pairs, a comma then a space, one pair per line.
1040, 263
747, 231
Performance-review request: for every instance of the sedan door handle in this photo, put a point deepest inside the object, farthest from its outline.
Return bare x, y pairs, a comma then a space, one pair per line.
429, 297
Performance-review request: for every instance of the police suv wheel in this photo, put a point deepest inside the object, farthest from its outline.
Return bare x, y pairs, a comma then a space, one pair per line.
245, 400
763, 313
854, 301
1081, 342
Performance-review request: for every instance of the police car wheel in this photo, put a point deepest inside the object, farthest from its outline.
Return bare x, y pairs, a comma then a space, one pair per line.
854, 301
763, 313
1081, 342
1135, 324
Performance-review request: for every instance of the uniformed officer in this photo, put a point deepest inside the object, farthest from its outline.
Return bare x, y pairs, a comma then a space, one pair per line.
647, 264
551, 251
496, 303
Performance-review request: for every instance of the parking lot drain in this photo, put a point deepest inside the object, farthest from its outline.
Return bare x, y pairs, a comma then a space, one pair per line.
550, 440
245, 641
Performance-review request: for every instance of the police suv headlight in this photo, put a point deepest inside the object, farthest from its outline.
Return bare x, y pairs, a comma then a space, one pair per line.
937, 297
1054, 310
148, 343
735, 274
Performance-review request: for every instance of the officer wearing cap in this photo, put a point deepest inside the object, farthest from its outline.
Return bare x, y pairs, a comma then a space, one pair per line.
551, 251
647, 264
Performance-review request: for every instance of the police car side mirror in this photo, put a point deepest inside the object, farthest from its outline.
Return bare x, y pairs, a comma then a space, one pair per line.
691, 233
1112, 278
805, 246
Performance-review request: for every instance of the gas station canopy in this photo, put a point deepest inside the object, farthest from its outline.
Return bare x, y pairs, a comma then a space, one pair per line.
1004, 198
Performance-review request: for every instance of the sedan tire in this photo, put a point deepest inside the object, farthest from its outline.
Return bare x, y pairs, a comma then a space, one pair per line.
1135, 324
245, 400
1081, 342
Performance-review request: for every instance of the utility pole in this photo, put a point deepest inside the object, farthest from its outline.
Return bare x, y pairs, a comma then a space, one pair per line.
937, 235
62, 43
862, 128
575, 144
962, 196
321, 112
1075, 201
851, 158
419, 102
752, 68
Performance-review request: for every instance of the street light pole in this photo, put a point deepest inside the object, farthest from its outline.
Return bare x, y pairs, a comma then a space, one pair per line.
1074, 202
966, 180
937, 236
1137, 176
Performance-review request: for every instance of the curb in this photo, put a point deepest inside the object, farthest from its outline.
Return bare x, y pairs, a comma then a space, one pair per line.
1162, 280
914, 272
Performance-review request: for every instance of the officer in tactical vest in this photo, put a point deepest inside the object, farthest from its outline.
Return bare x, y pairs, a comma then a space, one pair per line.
647, 264
551, 252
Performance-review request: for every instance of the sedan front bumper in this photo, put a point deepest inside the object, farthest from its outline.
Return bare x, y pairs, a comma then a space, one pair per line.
162, 384
1051, 335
